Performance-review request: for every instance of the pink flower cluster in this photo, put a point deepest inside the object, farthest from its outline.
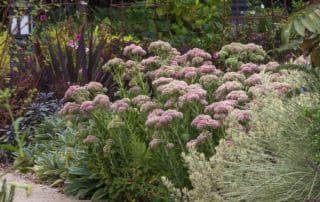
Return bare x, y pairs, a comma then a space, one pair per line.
94, 86
180, 60
87, 106
269, 67
175, 87
134, 50
165, 71
241, 115
159, 117
196, 52
281, 88
187, 73
194, 93
148, 106
140, 99
203, 121
160, 47
120, 106
209, 81
207, 69
102, 100
249, 68
151, 63
239, 95
161, 81
70, 108
202, 138
233, 76
71, 91
220, 109
254, 79
114, 64
227, 87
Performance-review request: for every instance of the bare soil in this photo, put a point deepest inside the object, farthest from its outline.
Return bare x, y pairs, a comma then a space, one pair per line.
40, 192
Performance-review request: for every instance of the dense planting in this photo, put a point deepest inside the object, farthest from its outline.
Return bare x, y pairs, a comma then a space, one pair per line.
168, 103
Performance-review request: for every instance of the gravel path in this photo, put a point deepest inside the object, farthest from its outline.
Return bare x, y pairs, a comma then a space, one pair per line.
40, 193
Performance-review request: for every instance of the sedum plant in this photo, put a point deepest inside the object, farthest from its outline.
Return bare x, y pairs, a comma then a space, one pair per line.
271, 162
168, 103
236, 54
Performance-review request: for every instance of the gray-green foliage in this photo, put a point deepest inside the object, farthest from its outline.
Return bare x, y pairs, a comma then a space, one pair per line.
273, 162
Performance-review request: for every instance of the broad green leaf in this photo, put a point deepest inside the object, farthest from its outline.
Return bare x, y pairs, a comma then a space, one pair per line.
285, 35
308, 24
299, 28
315, 19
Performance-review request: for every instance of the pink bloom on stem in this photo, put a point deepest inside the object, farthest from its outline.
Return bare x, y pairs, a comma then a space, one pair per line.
72, 44
78, 37
215, 55
120, 106
203, 121
71, 90
43, 18
87, 106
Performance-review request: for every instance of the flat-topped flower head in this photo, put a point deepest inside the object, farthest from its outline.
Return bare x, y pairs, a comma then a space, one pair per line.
114, 65
148, 106
70, 108
158, 118
87, 106
140, 99
241, 115
197, 52
187, 73
71, 91
209, 80
166, 71
120, 106
102, 101
161, 81
271, 66
151, 63
175, 87
203, 121
133, 50
233, 76
221, 107
206, 69
249, 68
161, 48
197, 61
227, 87
281, 88
94, 86
239, 95
254, 79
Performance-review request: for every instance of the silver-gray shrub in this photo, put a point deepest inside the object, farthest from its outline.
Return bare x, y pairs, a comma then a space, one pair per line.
272, 162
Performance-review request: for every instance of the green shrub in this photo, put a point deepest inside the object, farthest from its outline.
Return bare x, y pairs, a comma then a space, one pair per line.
273, 162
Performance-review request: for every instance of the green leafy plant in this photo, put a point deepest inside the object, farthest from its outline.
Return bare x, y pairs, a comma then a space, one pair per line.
305, 23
